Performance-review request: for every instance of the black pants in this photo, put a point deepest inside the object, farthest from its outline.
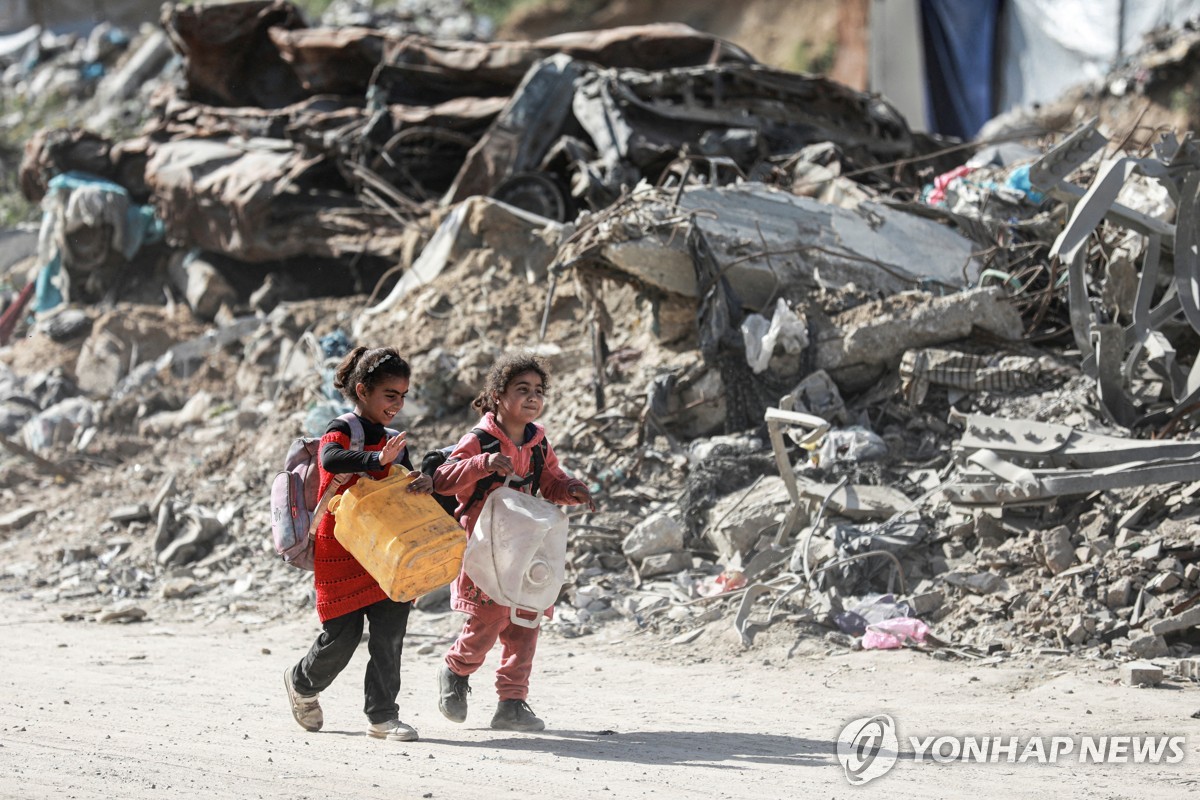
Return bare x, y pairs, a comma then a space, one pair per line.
333, 649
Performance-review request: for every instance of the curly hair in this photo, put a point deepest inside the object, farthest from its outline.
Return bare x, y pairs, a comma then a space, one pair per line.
502, 374
368, 366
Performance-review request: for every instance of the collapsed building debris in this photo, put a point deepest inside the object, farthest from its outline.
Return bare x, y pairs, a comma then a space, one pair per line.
815, 370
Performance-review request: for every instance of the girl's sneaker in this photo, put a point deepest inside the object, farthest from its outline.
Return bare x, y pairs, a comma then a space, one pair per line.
516, 715
306, 708
452, 694
394, 730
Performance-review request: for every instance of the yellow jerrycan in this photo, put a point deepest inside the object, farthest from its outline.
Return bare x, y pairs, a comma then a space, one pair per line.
403, 539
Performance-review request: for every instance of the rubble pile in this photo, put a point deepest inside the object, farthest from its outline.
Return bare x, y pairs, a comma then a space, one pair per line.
824, 375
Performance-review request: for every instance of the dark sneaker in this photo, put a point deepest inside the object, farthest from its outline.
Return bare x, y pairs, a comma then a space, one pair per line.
394, 730
516, 715
306, 708
452, 694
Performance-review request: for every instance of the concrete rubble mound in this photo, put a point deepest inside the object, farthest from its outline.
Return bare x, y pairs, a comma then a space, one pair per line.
828, 377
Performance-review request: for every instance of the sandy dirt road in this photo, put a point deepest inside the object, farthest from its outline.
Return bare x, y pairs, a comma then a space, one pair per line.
184, 709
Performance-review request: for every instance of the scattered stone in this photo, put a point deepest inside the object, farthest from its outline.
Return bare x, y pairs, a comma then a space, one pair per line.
122, 614
926, 603
129, 513
666, 563
690, 636
1060, 554
1188, 668
656, 534
1141, 673
1163, 582
19, 518
1151, 552
1148, 646
1179, 622
980, 583
1077, 633
179, 588
1118, 593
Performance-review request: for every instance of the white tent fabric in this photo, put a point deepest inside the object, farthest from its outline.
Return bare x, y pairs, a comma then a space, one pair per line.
897, 69
1047, 46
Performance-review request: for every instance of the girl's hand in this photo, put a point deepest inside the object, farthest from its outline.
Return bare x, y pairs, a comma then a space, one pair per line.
422, 483
581, 493
391, 449
499, 463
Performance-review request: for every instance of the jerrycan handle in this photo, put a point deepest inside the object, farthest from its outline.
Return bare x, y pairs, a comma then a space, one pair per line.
516, 619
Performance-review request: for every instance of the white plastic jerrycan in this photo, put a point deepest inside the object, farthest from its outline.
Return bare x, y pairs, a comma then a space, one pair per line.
518, 552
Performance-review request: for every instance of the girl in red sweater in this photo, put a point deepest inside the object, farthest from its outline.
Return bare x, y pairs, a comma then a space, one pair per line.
512, 398
376, 381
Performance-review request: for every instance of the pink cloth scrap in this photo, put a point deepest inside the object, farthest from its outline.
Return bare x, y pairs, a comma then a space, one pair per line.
892, 634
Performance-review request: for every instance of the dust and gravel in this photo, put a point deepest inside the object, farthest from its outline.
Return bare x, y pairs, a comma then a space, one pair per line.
179, 708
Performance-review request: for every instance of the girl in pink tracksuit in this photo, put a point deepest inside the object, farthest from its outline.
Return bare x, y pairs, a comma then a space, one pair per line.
512, 398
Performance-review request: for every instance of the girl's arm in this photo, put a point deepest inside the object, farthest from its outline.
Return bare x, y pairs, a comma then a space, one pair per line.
465, 466
336, 457
559, 487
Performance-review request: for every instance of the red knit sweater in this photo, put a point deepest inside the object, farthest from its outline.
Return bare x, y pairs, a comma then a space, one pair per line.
341, 582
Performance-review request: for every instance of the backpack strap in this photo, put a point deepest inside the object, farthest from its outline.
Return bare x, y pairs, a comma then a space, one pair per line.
357, 436
490, 444
357, 442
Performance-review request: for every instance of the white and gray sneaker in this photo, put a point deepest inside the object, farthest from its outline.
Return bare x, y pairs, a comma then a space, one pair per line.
393, 730
306, 708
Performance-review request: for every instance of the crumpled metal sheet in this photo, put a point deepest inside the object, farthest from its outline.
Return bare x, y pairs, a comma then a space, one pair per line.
644, 115
1115, 352
230, 59
524, 131
53, 151
257, 201
419, 71
1020, 462
331, 60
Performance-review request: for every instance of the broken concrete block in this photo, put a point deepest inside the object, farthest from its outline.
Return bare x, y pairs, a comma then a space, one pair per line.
878, 333
1192, 574
1188, 668
990, 531
855, 501
1141, 673
1060, 555
18, 518
926, 602
980, 583
1151, 552
179, 588
666, 563
1077, 633
1170, 564
129, 513
738, 520
1148, 646
656, 534
1163, 582
1118, 593
1179, 622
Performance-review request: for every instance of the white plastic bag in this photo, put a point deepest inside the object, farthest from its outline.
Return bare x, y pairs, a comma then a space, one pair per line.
518, 553
761, 336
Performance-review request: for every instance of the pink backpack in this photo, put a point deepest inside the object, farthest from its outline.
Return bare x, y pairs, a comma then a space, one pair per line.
296, 509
